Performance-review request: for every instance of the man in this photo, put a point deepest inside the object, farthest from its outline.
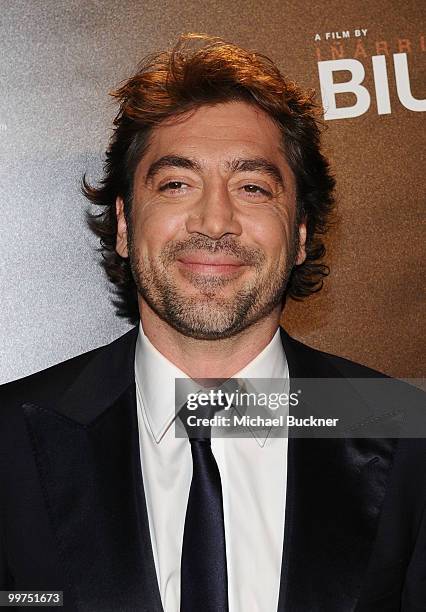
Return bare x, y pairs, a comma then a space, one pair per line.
215, 199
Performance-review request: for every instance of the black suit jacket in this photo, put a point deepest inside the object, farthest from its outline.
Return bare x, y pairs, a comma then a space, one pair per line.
73, 513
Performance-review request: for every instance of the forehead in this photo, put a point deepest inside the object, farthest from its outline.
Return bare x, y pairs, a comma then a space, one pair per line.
231, 128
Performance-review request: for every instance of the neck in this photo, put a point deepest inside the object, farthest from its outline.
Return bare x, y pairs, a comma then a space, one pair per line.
208, 358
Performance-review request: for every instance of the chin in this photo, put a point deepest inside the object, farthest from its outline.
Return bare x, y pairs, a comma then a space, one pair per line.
216, 324
205, 333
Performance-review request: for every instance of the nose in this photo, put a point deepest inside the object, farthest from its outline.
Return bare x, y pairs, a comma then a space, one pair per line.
214, 215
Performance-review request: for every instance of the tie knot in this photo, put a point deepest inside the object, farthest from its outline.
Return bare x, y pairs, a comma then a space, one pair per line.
197, 423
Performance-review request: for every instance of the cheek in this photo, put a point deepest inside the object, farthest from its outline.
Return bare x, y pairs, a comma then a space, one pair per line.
273, 233
154, 226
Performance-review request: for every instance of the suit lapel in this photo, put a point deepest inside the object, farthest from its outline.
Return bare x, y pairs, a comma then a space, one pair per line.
86, 449
335, 489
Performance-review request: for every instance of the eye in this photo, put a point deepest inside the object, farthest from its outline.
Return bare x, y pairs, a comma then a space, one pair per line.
173, 186
256, 190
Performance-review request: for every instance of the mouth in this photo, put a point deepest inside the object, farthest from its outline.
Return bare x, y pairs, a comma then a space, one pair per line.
211, 264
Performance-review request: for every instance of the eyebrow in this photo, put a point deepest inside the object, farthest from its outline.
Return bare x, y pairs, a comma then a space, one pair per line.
255, 164
171, 161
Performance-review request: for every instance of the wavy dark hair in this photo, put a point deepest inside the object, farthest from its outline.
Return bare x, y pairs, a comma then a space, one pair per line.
202, 70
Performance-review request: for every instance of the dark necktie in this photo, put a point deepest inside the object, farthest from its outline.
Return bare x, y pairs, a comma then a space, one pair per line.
204, 579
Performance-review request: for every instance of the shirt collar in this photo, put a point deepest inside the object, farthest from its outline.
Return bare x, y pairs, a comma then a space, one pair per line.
155, 380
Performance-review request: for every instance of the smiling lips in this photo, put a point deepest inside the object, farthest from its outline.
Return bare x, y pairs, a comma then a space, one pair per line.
211, 263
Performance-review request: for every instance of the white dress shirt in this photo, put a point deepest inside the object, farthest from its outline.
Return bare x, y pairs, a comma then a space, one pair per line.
253, 474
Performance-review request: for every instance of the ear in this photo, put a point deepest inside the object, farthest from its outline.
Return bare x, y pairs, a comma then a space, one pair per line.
121, 241
301, 253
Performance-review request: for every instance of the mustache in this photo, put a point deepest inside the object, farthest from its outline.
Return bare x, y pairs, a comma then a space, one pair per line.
250, 256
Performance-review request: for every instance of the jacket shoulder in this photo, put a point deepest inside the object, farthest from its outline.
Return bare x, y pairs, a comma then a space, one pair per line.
347, 367
35, 385
53, 381
323, 362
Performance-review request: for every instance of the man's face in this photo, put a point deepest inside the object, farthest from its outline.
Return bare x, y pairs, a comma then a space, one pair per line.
213, 233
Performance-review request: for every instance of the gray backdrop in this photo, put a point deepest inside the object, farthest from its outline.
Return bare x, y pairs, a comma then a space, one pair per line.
60, 58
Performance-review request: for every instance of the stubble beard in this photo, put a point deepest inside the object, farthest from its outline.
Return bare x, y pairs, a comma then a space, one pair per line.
209, 315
